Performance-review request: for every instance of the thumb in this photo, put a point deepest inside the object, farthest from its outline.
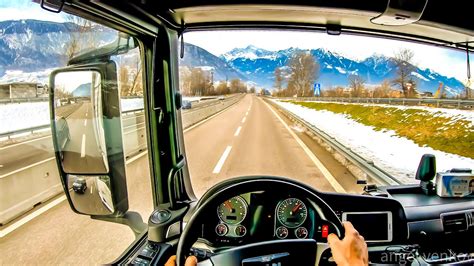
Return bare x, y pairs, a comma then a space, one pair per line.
191, 261
333, 240
171, 261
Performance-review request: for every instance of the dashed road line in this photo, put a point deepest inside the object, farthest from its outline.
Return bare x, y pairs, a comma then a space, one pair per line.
83, 146
237, 132
243, 119
85, 122
221, 161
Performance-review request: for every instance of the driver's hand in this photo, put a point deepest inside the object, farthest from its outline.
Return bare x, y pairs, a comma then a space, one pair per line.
352, 250
190, 261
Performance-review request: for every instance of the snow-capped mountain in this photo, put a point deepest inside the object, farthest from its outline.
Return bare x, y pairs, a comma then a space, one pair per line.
31, 46
30, 49
195, 56
259, 65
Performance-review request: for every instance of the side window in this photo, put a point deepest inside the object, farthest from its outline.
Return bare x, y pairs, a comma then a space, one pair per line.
37, 225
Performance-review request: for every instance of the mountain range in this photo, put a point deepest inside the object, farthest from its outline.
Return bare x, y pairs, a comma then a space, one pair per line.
259, 66
28, 48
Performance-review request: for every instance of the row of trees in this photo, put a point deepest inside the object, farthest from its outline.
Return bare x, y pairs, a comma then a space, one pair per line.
302, 70
196, 81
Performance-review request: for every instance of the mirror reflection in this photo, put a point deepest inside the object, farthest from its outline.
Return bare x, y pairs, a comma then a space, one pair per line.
91, 194
79, 122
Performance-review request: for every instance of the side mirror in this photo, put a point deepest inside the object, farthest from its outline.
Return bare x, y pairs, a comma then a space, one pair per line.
87, 136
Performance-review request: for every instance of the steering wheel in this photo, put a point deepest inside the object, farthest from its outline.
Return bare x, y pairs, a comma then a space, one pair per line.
305, 251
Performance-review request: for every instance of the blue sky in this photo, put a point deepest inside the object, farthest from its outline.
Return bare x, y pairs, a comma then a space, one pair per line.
26, 9
447, 62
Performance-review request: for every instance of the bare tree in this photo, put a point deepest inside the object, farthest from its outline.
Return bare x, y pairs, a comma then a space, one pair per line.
237, 86
356, 83
304, 71
404, 63
383, 90
81, 36
278, 78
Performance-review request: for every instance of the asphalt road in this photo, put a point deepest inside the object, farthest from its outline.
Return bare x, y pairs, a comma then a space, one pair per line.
249, 138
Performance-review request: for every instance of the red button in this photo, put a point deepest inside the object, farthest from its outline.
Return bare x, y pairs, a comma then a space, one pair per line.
325, 231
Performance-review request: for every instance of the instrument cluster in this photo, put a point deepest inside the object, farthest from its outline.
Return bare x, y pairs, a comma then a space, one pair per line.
261, 216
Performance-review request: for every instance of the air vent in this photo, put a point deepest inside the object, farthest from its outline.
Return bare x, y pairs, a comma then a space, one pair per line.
455, 222
470, 218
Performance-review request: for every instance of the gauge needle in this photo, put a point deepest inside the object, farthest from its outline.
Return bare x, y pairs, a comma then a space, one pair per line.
229, 205
296, 208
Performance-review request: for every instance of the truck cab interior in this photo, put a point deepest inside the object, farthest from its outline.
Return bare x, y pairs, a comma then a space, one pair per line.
257, 219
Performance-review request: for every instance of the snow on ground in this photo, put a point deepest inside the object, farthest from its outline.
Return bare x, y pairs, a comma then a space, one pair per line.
15, 116
453, 114
131, 104
398, 156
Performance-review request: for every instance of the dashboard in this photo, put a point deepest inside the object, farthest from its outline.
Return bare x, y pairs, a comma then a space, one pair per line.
260, 216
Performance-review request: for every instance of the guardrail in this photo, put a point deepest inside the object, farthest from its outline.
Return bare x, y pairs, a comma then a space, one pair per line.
367, 169
451, 103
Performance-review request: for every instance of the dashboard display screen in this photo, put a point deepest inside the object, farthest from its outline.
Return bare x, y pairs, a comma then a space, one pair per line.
374, 227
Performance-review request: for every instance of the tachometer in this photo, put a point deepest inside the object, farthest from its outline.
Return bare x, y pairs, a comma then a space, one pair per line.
232, 211
291, 212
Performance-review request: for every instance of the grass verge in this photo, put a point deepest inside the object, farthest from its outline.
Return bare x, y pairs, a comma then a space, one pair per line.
448, 134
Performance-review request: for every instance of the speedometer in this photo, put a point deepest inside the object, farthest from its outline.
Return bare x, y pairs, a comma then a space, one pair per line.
232, 211
291, 212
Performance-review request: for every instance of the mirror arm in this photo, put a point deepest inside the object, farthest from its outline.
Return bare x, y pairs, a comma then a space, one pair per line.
131, 219
171, 180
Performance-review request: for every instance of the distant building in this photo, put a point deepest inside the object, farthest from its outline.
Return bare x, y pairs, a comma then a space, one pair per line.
17, 90
426, 94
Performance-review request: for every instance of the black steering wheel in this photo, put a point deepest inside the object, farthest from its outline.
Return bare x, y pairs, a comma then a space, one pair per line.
303, 251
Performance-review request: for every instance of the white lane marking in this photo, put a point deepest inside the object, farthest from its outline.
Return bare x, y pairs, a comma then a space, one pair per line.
83, 146
31, 216
246, 114
85, 122
221, 161
26, 167
237, 131
24, 142
243, 119
329, 177
92, 186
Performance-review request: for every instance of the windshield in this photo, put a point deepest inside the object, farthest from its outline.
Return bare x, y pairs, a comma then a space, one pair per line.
329, 111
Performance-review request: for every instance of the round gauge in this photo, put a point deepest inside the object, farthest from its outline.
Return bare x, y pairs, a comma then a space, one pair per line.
292, 212
301, 232
281, 232
232, 211
221, 229
240, 230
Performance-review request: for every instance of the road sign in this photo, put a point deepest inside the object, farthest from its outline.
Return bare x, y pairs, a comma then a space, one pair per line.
317, 89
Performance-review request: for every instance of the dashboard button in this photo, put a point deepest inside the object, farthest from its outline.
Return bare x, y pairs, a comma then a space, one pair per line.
325, 231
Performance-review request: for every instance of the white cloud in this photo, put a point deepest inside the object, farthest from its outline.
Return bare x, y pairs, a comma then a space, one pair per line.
446, 62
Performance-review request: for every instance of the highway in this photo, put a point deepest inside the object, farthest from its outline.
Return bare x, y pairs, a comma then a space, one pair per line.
249, 138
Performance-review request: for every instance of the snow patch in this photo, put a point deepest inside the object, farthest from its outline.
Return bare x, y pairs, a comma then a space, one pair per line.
418, 75
397, 155
341, 70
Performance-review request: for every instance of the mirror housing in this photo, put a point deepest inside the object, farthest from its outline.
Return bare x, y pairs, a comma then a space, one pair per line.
426, 172
87, 137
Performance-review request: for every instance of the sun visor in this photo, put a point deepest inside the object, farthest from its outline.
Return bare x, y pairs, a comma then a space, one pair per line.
401, 12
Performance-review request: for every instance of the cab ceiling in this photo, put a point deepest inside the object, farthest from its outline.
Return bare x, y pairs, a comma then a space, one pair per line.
443, 22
